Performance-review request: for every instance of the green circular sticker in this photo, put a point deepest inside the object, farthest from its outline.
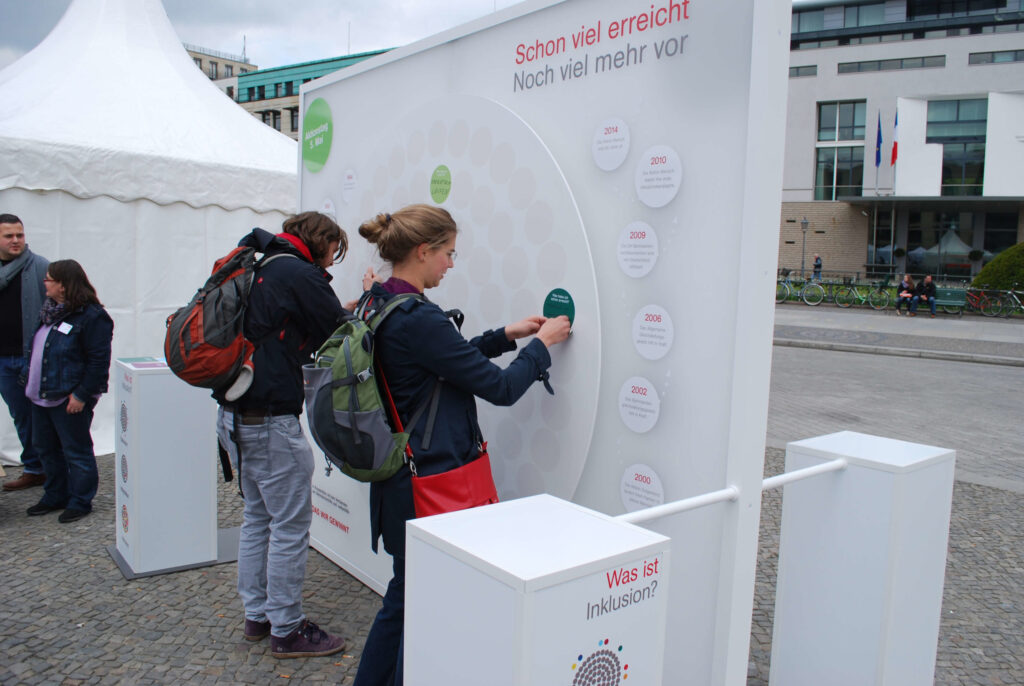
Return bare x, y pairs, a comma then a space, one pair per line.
317, 131
559, 302
440, 184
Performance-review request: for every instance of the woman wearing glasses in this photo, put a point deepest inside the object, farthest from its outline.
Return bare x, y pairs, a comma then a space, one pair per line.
68, 369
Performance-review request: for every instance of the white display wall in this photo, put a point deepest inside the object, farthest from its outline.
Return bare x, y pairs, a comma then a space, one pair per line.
629, 154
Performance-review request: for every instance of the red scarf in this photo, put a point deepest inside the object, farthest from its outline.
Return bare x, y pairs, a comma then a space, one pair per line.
298, 244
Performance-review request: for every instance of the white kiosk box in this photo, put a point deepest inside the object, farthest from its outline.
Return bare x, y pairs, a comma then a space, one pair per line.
166, 495
534, 591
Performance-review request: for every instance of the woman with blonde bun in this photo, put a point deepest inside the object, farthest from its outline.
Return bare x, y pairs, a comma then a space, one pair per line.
417, 345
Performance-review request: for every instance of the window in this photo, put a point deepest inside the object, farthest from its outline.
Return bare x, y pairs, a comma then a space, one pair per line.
277, 119
250, 93
261, 92
811, 70
890, 65
1000, 57
865, 15
213, 70
289, 88
294, 111
1000, 232
199, 62
957, 121
229, 70
930, 247
942, 9
841, 121
813, 20
839, 172
243, 70
230, 91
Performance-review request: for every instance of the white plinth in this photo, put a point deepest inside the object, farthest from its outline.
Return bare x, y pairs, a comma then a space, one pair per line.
862, 560
533, 591
166, 469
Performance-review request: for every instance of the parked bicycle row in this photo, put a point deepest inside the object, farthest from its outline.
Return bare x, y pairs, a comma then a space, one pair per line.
880, 294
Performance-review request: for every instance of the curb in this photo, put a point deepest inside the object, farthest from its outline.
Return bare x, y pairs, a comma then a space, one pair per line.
902, 352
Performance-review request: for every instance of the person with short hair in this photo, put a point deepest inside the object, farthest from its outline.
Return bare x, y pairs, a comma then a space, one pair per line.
69, 366
424, 357
291, 311
817, 267
924, 291
21, 298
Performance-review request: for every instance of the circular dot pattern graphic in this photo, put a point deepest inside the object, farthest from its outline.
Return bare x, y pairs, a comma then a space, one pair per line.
520, 236
600, 669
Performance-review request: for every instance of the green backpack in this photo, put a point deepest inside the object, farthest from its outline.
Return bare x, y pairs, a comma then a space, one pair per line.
346, 400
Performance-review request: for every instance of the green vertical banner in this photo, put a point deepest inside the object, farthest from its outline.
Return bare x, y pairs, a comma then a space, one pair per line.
317, 132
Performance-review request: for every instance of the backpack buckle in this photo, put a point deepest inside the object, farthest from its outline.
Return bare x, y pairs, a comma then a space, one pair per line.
365, 374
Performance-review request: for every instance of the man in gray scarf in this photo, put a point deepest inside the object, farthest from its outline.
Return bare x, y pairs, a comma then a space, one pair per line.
21, 299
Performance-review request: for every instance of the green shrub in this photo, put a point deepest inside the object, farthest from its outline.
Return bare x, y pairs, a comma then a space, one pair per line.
1005, 269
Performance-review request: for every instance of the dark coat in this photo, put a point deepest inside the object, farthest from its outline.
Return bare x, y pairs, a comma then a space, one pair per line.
77, 361
292, 310
417, 344
925, 290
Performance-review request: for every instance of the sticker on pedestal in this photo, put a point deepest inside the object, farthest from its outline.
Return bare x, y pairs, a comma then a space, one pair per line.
639, 405
652, 332
641, 488
637, 250
611, 144
559, 302
658, 176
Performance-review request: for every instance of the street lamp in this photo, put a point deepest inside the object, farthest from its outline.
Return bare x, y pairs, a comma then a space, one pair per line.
803, 248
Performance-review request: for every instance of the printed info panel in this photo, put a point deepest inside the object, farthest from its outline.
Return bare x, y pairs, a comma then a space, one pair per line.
619, 160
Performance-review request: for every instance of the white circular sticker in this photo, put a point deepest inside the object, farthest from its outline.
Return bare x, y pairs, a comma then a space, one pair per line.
641, 488
658, 176
638, 249
349, 185
652, 332
611, 144
639, 405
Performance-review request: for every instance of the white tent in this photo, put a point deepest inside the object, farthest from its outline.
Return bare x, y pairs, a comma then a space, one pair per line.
949, 249
116, 151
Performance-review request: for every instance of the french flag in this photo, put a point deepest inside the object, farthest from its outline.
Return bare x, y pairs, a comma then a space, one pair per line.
895, 139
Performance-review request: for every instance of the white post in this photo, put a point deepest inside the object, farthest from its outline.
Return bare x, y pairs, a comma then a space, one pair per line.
862, 560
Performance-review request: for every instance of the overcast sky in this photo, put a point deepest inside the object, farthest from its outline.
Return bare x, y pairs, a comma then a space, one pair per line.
277, 32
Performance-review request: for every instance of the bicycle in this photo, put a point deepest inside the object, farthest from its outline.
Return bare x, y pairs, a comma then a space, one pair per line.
877, 297
810, 292
978, 301
1008, 304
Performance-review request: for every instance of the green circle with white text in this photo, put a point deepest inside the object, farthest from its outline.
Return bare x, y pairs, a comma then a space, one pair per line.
317, 131
440, 184
559, 302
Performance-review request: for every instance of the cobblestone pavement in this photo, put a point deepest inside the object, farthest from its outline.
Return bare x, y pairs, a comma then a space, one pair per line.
70, 618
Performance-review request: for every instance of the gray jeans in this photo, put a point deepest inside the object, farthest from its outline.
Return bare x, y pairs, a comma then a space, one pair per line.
276, 477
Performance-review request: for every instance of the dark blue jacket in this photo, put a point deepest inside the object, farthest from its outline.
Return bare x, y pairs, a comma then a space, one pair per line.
292, 310
417, 344
78, 361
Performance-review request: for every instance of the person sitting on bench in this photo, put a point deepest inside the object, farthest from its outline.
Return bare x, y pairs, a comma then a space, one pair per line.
905, 292
925, 291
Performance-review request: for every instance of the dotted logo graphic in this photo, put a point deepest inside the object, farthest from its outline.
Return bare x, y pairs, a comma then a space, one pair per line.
124, 468
124, 417
603, 667
124, 518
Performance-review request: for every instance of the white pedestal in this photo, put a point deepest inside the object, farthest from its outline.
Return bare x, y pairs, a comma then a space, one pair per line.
533, 591
862, 559
166, 470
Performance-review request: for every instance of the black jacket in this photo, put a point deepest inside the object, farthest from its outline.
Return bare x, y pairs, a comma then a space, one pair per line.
416, 345
292, 310
925, 290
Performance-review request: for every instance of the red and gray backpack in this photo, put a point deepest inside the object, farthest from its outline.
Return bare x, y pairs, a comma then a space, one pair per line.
205, 345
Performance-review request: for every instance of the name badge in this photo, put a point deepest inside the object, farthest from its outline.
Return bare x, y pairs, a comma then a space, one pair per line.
64, 328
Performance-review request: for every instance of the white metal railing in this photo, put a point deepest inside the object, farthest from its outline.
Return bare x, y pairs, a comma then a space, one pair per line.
730, 493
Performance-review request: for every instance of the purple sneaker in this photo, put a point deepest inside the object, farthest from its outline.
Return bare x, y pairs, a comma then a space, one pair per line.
308, 640
255, 631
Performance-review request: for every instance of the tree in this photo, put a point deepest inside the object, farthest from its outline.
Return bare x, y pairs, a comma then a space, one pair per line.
1005, 269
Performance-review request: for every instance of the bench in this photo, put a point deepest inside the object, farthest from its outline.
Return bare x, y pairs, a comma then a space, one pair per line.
951, 300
